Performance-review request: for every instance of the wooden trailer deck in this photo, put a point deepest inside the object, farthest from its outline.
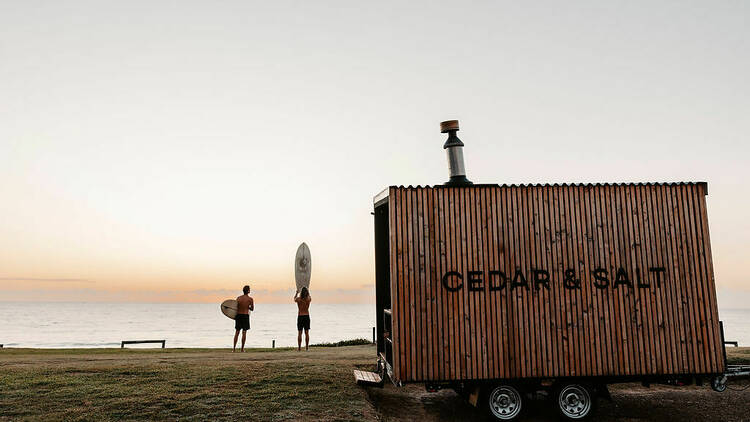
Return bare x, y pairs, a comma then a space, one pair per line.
367, 378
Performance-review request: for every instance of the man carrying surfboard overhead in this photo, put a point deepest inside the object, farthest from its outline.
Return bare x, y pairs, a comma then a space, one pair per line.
303, 299
245, 304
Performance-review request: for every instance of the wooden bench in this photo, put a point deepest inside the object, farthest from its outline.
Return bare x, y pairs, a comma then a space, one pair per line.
124, 342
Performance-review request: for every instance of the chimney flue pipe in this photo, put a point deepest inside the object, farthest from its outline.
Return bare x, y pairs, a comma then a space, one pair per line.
454, 148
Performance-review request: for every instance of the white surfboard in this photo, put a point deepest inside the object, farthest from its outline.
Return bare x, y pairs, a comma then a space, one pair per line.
229, 308
302, 267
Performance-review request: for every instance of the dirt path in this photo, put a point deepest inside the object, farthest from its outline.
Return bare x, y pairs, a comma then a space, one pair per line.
631, 402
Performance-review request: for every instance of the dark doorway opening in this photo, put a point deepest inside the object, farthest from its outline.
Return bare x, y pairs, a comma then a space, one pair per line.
382, 280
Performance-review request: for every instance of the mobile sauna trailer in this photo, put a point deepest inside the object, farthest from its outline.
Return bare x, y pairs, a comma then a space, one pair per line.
498, 291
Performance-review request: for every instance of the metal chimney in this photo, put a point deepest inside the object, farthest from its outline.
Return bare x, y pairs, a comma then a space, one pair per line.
455, 150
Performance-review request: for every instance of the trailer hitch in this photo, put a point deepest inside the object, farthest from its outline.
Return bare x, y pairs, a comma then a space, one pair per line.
719, 382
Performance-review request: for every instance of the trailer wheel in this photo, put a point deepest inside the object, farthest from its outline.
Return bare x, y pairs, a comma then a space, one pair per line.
504, 402
719, 383
574, 401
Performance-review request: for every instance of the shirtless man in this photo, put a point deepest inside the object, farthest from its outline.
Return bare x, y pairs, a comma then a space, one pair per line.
303, 300
245, 304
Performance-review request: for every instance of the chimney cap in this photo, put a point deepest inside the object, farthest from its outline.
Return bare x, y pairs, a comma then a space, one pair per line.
448, 126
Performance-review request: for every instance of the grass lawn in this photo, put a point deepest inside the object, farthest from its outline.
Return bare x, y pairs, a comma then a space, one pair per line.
185, 384
738, 355
260, 385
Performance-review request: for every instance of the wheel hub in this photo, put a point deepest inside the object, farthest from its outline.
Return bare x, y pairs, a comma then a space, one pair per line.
573, 399
504, 400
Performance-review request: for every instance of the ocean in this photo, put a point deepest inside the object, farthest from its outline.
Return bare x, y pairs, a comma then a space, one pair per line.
736, 325
57, 325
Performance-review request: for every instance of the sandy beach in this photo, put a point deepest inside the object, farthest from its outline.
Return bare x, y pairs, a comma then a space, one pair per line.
281, 384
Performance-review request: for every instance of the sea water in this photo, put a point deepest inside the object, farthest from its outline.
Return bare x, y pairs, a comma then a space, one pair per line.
56, 325
736, 325
203, 325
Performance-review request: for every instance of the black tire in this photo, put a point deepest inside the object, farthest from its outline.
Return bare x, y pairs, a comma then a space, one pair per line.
504, 402
574, 401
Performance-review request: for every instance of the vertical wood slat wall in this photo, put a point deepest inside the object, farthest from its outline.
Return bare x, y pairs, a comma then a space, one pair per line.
440, 335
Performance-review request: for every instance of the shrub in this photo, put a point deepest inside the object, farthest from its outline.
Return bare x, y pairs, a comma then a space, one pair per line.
355, 342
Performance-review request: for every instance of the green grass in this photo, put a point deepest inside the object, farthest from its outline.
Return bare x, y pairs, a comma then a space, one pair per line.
132, 351
185, 384
738, 355
193, 384
355, 342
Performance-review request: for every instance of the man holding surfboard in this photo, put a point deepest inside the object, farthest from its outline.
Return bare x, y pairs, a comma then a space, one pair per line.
303, 300
302, 270
245, 304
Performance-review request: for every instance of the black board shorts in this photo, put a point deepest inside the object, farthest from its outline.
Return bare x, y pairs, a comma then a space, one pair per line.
242, 322
303, 322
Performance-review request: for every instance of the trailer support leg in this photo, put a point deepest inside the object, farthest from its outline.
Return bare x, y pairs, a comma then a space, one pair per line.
474, 396
603, 391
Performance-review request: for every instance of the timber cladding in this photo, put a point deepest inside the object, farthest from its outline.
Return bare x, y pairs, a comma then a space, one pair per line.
492, 282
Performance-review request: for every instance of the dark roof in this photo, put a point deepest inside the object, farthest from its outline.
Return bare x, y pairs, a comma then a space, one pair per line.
540, 185
380, 197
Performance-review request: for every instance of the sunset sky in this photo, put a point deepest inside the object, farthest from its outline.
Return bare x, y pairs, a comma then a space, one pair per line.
174, 151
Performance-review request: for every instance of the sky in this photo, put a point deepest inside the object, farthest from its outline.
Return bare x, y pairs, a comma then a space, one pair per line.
172, 151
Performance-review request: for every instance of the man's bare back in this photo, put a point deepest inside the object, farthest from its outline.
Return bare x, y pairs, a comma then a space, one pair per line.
302, 298
244, 304
303, 305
